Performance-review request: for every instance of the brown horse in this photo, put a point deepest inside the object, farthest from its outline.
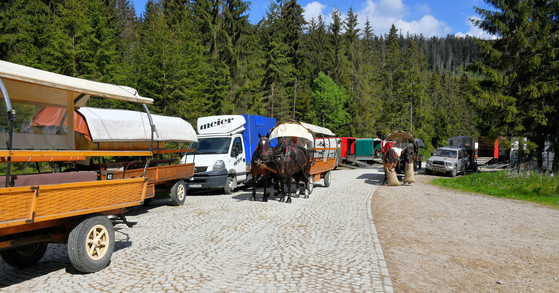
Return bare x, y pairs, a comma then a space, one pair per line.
408, 158
391, 162
291, 162
262, 165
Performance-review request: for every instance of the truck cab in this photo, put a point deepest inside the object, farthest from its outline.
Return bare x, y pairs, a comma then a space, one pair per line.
224, 149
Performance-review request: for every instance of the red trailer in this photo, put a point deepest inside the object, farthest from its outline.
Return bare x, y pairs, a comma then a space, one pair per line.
348, 148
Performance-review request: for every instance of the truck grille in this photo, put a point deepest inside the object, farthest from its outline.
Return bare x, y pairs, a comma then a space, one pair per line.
438, 162
200, 169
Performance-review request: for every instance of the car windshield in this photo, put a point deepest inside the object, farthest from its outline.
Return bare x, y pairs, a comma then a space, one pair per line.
212, 145
446, 153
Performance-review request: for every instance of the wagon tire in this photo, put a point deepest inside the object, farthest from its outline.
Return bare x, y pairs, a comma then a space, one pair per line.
178, 193
24, 256
91, 243
327, 179
310, 184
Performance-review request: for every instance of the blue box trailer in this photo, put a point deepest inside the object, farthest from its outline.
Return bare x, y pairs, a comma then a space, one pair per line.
256, 125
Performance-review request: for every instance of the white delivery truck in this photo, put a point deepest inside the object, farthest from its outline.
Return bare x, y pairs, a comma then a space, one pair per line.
224, 150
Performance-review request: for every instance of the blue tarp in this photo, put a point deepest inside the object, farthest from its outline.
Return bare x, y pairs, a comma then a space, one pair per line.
256, 125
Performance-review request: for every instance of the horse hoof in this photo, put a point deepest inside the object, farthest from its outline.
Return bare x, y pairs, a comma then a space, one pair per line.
265, 200
288, 200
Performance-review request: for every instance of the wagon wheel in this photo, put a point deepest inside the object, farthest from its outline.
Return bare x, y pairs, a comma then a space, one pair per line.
310, 184
178, 193
24, 256
91, 243
327, 179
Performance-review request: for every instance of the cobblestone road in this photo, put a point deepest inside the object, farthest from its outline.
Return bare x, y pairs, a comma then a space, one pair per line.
227, 243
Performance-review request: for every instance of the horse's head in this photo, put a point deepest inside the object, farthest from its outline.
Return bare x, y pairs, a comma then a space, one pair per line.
390, 158
408, 155
262, 150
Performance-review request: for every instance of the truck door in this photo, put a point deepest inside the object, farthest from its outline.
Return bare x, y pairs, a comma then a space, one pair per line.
239, 160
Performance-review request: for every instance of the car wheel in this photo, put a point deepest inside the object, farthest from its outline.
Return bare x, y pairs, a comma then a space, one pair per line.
310, 184
24, 256
178, 193
91, 243
327, 179
229, 185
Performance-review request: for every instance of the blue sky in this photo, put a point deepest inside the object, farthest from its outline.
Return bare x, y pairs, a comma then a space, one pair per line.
427, 17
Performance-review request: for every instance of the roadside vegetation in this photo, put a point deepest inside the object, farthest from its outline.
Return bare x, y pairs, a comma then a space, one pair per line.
528, 186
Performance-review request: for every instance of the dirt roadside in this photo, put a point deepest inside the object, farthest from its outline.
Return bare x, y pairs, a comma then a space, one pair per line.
439, 240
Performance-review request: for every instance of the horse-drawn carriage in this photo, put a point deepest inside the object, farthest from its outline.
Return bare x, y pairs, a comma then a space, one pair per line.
312, 158
400, 152
40, 203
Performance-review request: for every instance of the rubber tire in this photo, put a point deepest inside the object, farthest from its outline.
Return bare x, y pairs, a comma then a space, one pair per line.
228, 188
310, 185
427, 171
77, 242
327, 179
178, 193
24, 256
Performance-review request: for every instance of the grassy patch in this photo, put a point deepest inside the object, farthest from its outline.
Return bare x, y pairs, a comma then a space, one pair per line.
529, 186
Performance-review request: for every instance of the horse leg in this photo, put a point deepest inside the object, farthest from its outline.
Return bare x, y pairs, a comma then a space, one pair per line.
282, 192
253, 187
266, 182
288, 190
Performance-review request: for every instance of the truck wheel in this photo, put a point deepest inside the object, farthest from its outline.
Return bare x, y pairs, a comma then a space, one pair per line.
91, 243
327, 179
427, 172
24, 256
178, 193
229, 185
310, 185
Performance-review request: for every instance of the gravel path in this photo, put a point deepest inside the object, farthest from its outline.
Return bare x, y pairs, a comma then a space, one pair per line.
220, 243
439, 240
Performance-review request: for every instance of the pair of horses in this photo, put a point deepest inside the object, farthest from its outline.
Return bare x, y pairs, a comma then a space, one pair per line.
394, 163
281, 164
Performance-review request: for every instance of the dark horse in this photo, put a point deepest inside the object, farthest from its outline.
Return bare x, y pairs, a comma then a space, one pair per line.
291, 162
261, 164
390, 161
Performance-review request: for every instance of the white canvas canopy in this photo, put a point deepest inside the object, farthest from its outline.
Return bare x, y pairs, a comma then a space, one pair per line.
114, 125
38, 86
299, 129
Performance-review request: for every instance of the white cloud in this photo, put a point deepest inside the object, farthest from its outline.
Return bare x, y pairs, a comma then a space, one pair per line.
382, 14
313, 10
476, 31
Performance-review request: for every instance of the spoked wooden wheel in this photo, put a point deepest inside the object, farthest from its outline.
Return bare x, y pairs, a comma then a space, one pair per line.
97, 242
91, 243
178, 193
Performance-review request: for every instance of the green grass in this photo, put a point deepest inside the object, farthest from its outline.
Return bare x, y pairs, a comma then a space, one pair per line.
528, 186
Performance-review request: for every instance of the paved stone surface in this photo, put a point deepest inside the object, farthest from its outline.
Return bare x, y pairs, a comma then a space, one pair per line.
227, 243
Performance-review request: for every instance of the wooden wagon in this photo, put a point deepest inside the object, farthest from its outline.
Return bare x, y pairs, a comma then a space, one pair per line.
124, 129
321, 144
42, 206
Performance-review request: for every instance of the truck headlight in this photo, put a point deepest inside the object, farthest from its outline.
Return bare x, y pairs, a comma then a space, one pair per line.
448, 163
429, 163
219, 165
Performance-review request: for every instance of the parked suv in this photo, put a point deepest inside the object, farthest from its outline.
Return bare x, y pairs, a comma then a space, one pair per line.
447, 160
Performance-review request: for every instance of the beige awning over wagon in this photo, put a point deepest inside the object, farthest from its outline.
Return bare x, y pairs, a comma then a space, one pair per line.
29, 84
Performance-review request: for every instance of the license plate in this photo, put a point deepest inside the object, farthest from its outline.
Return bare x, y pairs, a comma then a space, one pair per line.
195, 185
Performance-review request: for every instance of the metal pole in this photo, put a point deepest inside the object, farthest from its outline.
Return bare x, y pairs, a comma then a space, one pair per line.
11, 117
411, 114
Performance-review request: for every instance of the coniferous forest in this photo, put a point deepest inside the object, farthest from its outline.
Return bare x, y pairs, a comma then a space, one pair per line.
203, 57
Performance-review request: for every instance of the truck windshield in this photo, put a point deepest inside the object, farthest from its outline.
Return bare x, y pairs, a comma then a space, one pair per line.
213, 145
446, 153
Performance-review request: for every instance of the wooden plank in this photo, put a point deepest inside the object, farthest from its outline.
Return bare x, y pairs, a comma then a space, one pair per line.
70, 153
